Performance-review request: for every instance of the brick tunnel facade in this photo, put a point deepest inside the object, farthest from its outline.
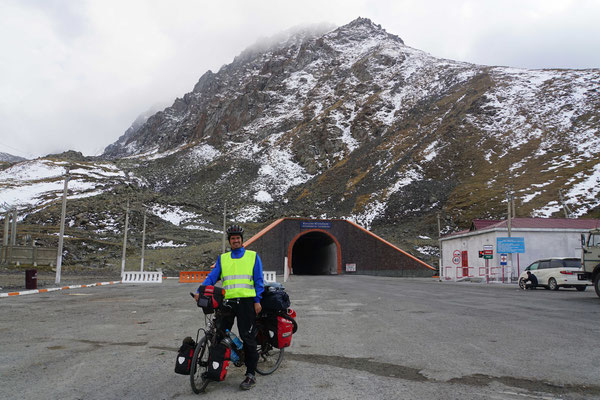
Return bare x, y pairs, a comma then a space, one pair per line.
329, 247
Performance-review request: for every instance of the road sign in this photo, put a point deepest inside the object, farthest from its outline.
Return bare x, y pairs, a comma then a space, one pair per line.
488, 256
456, 257
503, 259
511, 244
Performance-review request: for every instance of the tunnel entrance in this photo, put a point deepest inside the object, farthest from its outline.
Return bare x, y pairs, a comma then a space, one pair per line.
315, 253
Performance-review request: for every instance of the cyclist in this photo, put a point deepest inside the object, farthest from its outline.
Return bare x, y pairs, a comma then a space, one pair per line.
242, 274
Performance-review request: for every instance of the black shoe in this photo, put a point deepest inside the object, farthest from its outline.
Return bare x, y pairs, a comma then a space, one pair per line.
248, 383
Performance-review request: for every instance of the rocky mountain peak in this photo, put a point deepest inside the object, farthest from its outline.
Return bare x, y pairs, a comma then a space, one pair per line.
352, 123
362, 28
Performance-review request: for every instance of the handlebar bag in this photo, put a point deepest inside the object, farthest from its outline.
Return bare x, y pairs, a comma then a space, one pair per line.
218, 362
184, 356
211, 297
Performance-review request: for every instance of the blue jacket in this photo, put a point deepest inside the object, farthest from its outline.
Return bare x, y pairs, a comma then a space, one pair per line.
215, 274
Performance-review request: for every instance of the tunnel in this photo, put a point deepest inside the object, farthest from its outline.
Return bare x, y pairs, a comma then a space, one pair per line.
315, 253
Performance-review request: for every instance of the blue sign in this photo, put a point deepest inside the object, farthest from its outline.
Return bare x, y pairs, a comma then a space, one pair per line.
510, 244
315, 225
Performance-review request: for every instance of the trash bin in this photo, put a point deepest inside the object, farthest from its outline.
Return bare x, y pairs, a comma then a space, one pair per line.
31, 279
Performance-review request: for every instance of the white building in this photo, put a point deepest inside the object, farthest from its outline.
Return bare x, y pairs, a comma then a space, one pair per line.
541, 238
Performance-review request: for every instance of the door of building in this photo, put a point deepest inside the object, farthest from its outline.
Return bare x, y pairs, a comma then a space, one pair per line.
465, 263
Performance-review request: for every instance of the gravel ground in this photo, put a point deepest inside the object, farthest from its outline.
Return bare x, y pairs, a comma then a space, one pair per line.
12, 279
359, 337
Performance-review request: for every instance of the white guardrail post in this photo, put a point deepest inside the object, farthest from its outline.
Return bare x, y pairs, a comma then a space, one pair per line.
269, 276
142, 277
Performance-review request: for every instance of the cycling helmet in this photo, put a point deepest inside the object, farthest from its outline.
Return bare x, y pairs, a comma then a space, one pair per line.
235, 230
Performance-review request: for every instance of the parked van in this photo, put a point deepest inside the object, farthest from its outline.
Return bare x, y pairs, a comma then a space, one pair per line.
554, 273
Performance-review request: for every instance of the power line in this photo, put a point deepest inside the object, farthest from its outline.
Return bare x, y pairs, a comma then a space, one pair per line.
19, 150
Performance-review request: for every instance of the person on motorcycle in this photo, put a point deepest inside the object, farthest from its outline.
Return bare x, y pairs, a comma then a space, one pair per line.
241, 271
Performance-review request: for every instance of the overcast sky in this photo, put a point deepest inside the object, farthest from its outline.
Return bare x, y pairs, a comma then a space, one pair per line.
74, 74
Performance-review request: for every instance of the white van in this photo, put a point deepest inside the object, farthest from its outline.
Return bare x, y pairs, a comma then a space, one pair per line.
554, 273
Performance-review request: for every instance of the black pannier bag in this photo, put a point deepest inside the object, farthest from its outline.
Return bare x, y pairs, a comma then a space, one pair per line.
184, 356
211, 297
218, 362
274, 298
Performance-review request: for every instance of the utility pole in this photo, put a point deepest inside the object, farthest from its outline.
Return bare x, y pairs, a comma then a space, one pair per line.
440, 245
143, 242
61, 233
125, 239
224, 228
514, 210
508, 201
6, 226
4, 258
566, 208
13, 234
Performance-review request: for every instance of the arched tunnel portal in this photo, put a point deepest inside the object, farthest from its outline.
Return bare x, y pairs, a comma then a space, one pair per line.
315, 252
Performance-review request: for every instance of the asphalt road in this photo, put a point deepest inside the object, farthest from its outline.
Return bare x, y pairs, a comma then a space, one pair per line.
359, 337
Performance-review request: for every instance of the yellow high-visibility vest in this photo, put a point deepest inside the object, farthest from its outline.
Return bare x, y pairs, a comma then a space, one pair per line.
237, 275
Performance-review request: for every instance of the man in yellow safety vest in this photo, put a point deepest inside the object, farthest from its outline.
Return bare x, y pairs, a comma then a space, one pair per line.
242, 274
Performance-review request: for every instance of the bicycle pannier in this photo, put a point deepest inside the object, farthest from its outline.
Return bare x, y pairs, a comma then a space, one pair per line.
281, 328
211, 298
218, 362
274, 298
184, 356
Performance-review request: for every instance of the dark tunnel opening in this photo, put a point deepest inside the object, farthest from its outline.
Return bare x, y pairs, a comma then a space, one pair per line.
314, 253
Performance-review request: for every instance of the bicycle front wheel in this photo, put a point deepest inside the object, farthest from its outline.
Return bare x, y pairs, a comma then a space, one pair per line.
269, 359
199, 366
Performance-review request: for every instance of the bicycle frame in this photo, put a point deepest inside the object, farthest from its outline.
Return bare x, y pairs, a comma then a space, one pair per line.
269, 357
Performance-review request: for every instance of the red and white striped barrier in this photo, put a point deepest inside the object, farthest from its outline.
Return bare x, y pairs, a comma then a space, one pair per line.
58, 288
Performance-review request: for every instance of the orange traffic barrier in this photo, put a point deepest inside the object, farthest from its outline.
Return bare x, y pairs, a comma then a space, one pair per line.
192, 276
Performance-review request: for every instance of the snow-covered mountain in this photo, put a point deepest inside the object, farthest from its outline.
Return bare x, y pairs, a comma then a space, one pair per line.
33, 185
5, 157
353, 123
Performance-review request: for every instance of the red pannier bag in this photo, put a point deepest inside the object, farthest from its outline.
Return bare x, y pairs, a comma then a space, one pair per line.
281, 328
218, 362
211, 297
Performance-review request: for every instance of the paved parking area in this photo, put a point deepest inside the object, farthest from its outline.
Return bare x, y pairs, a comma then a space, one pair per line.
359, 337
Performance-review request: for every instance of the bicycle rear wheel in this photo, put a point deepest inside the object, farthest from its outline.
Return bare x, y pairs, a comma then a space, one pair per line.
199, 366
269, 359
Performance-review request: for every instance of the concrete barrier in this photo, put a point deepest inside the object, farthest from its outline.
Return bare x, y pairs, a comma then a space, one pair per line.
142, 277
269, 276
200, 276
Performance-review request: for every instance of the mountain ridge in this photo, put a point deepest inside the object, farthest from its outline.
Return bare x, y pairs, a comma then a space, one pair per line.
353, 123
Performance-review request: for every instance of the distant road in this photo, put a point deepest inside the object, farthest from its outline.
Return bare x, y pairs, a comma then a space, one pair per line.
359, 337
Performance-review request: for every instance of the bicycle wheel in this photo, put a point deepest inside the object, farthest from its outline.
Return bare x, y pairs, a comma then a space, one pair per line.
199, 366
269, 359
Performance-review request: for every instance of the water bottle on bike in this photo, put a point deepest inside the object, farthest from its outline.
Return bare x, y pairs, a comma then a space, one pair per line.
236, 341
228, 342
